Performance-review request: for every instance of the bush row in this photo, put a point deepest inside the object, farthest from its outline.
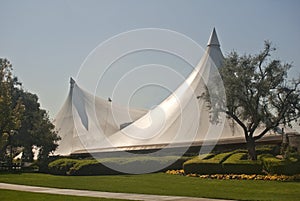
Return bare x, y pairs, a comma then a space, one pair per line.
109, 166
274, 165
210, 164
61, 166
236, 163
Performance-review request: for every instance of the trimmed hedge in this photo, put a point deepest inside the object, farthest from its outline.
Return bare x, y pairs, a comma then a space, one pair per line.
225, 163
268, 149
95, 167
177, 164
207, 165
61, 166
238, 164
90, 167
274, 165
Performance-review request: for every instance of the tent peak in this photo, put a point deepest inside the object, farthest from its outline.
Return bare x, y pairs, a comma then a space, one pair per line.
213, 39
72, 82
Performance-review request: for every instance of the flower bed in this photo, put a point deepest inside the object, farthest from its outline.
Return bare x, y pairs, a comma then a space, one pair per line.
238, 176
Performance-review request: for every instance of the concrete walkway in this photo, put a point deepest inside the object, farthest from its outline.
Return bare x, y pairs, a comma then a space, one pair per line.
98, 194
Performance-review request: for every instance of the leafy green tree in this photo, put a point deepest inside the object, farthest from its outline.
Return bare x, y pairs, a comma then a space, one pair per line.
25, 136
10, 111
36, 129
20, 112
259, 97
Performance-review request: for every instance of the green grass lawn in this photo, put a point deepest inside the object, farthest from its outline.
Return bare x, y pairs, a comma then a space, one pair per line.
9, 195
164, 184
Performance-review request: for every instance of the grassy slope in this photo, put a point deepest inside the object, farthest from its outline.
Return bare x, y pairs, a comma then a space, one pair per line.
164, 184
8, 195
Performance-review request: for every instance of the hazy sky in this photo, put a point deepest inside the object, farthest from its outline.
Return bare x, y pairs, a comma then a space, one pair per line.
47, 41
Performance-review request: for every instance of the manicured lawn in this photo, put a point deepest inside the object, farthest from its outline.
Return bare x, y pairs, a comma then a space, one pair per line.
164, 184
8, 195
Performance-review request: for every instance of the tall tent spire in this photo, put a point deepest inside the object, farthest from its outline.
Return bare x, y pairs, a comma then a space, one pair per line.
213, 39
72, 82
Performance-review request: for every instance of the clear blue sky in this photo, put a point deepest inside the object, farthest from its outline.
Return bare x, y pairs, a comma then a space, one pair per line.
47, 41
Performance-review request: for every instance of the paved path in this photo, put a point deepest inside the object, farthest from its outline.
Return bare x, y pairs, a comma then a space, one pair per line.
98, 194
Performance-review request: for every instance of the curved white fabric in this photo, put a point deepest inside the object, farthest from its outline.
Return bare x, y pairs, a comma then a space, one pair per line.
77, 119
87, 123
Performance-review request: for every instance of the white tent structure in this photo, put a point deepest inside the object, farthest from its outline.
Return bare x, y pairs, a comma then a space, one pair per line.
88, 124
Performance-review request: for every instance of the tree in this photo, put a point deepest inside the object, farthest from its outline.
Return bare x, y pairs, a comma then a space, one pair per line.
31, 123
36, 129
25, 136
10, 111
259, 97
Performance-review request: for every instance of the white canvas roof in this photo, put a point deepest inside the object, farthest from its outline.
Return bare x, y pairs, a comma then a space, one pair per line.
85, 126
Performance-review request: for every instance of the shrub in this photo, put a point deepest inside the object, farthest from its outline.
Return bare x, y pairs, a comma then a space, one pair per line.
149, 163
202, 167
79, 167
274, 165
207, 165
30, 167
98, 167
90, 167
268, 149
238, 164
61, 166
177, 164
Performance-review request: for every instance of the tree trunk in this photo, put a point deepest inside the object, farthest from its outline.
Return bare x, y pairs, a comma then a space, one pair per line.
251, 148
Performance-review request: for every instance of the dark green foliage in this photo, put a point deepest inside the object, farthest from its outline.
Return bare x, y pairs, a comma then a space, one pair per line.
238, 164
177, 165
61, 166
23, 124
11, 111
90, 167
101, 167
268, 149
206, 165
36, 128
274, 165
202, 167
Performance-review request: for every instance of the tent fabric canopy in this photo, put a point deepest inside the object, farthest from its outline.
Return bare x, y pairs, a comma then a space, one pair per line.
87, 123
